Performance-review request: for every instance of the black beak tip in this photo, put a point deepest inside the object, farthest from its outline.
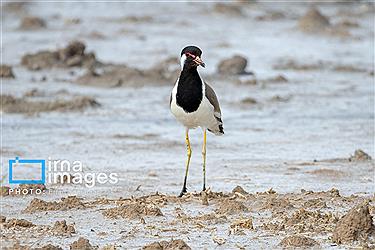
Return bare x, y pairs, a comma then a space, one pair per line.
203, 64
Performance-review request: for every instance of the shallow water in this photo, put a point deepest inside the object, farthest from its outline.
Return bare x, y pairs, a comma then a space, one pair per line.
327, 114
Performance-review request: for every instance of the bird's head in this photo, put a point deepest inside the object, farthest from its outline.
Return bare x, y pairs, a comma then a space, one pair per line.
191, 57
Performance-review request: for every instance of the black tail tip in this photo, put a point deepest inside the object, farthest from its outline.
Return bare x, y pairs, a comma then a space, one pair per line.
221, 129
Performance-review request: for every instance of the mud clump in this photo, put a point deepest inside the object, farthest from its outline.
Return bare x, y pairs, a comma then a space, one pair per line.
276, 79
290, 64
61, 228
271, 16
122, 75
276, 204
228, 9
34, 92
349, 69
240, 224
313, 21
167, 245
66, 203
302, 221
32, 23
211, 218
18, 223
327, 173
82, 244
310, 221
231, 207
16, 7
6, 71
360, 155
132, 211
48, 247
4, 191
235, 65
138, 19
249, 101
315, 203
298, 241
12, 104
239, 189
3, 219
71, 56
356, 224
18, 246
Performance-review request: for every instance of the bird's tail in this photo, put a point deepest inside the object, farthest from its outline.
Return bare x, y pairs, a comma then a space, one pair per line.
217, 130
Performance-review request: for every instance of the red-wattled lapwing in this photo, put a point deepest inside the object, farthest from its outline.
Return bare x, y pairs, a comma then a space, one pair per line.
194, 104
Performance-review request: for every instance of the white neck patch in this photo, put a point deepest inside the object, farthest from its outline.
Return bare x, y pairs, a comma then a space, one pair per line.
182, 61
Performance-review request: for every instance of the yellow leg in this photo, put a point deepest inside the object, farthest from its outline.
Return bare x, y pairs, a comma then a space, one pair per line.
183, 191
204, 158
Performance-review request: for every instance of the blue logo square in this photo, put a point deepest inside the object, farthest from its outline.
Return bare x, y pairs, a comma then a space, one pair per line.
42, 163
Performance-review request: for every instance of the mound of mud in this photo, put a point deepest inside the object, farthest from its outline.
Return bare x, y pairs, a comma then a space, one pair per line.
18, 223
211, 218
349, 69
6, 71
228, 9
32, 23
132, 211
239, 189
298, 241
346, 23
167, 245
302, 221
121, 75
82, 244
71, 56
16, 7
231, 207
18, 246
235, 65
61, 228
310, 221
360, 155
48, 247
291, 64
356, 224
276, 79
247, 81
271, 16
249, 101
313, 21
67, 203
11, 104
241, 224
327, 173
275, 204
34, 92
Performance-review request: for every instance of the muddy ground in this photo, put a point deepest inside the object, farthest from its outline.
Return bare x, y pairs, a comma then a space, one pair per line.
90, 82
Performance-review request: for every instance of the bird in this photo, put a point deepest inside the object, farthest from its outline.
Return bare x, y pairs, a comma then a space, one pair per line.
194, 104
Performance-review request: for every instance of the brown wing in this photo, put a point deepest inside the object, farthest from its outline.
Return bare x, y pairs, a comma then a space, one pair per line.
211, 96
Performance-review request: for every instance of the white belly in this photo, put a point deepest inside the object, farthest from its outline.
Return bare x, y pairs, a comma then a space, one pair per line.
202, 117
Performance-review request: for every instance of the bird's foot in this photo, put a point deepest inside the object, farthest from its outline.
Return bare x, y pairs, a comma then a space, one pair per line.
183, 191
204, 188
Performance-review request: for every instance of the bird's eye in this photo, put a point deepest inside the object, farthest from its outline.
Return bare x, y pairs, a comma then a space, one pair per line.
189, 54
